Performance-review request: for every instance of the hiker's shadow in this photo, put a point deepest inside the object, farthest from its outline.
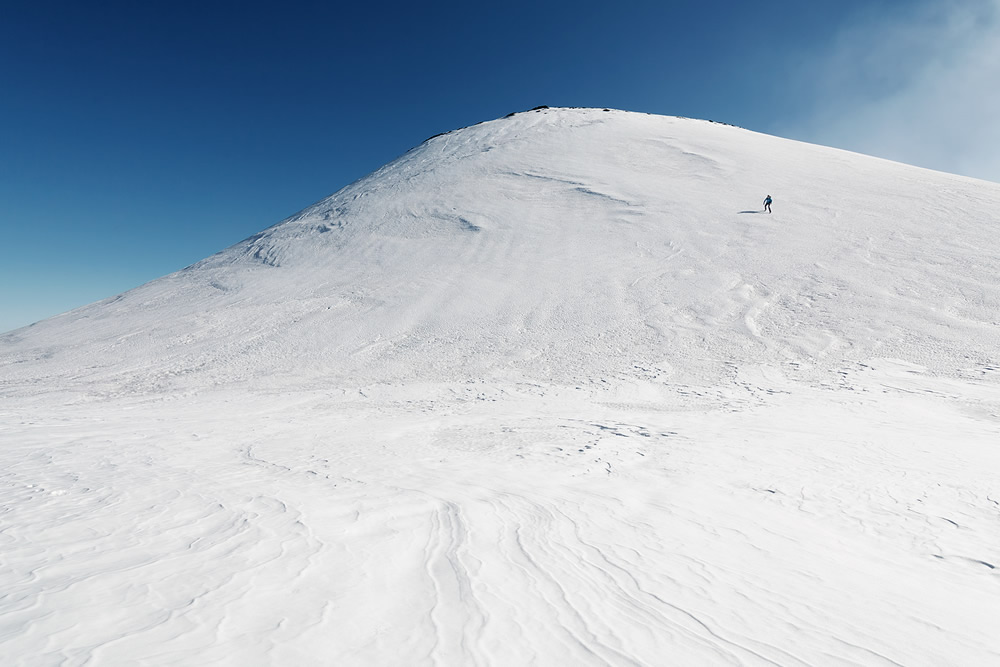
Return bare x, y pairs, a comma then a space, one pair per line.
741, 212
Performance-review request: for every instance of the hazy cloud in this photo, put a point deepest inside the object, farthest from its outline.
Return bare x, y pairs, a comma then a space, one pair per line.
920, 84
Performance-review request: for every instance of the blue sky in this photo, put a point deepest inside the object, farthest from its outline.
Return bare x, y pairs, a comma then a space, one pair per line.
139, 137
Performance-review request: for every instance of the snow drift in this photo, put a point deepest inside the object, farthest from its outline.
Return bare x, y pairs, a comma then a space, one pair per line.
552, 388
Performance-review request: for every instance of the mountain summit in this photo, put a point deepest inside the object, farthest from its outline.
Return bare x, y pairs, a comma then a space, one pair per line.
563, 244
550, 389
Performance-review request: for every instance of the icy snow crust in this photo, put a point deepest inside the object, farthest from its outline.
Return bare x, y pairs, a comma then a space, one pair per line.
550, 389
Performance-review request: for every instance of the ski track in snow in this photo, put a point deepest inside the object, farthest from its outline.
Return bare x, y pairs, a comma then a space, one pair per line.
534, 393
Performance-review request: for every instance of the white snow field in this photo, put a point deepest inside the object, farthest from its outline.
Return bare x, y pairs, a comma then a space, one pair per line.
546, 390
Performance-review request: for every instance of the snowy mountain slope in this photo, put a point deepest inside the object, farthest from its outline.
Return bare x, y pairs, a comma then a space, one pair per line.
515, 245
550, 389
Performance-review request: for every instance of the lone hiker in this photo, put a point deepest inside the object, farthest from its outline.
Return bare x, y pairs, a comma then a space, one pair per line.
767, 204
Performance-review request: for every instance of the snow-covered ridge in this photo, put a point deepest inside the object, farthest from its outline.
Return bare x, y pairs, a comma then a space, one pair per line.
518, 245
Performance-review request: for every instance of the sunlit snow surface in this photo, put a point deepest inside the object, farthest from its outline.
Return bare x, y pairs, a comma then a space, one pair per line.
547, 390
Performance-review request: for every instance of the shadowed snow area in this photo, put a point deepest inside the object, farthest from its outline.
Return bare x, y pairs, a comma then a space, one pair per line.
551, 389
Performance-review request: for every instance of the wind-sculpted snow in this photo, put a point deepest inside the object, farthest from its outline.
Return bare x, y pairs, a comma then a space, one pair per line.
546, 390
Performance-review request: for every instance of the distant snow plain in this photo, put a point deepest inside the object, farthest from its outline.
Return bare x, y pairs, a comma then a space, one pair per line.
551, 390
